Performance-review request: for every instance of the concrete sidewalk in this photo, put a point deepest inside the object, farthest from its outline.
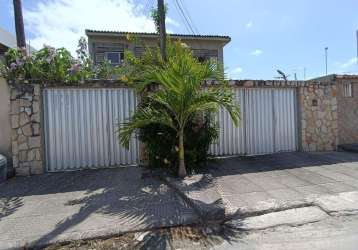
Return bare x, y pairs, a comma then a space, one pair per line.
247, 186
85, 204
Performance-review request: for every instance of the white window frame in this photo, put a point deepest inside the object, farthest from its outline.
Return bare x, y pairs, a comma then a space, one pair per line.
347, 89
120, 53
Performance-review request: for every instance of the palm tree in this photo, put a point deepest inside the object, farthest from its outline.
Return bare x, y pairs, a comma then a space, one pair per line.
179, 96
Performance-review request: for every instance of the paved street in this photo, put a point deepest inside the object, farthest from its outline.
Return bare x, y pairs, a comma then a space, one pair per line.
333, 233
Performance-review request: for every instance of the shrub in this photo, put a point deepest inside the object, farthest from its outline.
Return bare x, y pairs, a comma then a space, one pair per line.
162, 149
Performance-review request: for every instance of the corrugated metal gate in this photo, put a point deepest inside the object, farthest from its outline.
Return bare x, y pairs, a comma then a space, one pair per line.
268, 123
81, 124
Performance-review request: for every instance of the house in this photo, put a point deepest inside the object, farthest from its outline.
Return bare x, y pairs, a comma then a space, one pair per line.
110, 45
7, 41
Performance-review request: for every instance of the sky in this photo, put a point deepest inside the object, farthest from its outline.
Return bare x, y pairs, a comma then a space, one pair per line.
266, 35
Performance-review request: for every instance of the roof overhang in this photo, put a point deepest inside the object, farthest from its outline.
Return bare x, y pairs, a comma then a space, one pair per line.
334, 77
223, 39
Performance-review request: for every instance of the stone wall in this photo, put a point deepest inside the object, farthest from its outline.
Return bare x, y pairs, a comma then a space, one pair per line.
318, 115
347, 113
25, 118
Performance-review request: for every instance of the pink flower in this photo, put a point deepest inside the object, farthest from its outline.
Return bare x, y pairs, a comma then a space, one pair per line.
13, 66
75, 67
19, 62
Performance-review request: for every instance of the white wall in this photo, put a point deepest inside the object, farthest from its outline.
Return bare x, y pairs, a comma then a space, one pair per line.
5, 129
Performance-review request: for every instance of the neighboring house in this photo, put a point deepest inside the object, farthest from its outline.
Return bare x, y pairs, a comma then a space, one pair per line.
7, 41
110, 45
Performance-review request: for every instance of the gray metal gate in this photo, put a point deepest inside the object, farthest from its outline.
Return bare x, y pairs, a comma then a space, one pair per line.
81, 124
268, 123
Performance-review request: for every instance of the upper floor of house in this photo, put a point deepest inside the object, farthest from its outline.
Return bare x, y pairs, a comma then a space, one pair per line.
110, 45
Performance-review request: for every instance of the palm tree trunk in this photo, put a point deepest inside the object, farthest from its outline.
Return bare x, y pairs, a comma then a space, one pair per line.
182, 169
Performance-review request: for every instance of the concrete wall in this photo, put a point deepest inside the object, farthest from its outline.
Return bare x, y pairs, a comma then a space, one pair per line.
347, 113
5, 129
318, 115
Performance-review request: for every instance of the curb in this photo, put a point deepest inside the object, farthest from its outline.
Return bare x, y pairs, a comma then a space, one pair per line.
215, 213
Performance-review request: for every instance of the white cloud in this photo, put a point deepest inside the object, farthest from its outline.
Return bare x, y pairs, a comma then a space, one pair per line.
169, 21
256, 52
235, 73
60, 23
349, 63
249, 25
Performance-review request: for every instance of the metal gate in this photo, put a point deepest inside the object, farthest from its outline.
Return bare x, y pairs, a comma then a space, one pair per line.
267, 125
81, 124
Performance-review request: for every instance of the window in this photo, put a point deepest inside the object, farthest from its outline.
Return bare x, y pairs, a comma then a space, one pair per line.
114, 58
202, 59
347, 89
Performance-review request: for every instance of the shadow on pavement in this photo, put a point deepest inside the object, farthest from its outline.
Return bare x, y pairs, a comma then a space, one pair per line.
126, 201
9, 205
278, 161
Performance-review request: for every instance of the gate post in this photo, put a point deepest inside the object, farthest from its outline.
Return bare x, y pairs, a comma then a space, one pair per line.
25, 119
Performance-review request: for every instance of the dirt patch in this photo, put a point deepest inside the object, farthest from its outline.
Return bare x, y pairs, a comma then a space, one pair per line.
169, 238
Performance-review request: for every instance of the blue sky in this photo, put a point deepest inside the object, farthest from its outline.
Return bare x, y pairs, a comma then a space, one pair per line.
266, 35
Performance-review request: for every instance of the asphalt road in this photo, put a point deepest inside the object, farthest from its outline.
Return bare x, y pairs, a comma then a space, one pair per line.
332, 233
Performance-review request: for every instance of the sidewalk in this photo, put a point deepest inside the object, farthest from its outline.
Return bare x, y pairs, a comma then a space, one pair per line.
248, 186
254, 192
85, 204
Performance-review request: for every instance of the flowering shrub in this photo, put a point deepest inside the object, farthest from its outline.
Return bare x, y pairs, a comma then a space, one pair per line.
51, 65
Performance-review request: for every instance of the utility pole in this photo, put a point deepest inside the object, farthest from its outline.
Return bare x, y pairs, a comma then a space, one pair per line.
19, 25
326, 54
162, 32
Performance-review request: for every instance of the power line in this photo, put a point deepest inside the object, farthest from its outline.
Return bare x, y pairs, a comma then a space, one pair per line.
184, 18
181, 16
189, 16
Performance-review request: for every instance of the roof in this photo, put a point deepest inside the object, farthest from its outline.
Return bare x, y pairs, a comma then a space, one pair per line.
333, 77
225, 39
9, 40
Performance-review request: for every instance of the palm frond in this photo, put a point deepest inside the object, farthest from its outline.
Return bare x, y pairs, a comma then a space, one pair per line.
180, 94
144, 116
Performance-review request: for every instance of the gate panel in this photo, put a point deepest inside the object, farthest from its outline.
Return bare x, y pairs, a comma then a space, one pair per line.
268, 123
122, 104
259, 121
80, 127
285, 120
231, 139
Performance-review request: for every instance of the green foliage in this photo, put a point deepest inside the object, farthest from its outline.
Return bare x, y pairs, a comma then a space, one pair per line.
154, 14
161, 144
179, 97
104, 70
48, 65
